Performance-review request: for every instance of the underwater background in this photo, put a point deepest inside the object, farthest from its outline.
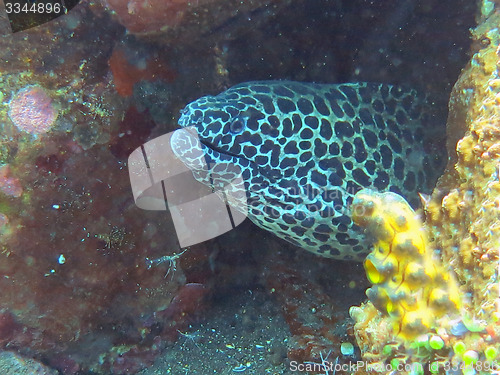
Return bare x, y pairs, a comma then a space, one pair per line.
91, 284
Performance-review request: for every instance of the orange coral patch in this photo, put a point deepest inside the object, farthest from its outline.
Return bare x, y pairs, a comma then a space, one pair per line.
126, 74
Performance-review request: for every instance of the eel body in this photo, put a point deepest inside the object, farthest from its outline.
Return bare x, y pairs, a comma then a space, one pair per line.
303, 150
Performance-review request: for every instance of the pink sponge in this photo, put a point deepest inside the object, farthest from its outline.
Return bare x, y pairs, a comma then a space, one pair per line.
31, 110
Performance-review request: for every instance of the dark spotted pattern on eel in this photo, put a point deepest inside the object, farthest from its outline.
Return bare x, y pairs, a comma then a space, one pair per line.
305, 149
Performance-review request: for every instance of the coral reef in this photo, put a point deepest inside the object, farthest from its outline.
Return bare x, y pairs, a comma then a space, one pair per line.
9, 185
409, 285
14, 364
183, 19
130, 64
146, 17
78, 288
463, 228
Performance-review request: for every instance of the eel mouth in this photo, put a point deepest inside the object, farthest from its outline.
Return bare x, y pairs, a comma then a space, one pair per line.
218, 149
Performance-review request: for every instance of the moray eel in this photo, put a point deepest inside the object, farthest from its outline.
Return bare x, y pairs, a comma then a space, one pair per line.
304, 149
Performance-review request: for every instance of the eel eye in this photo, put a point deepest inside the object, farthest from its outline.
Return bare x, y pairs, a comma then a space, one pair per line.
237, 126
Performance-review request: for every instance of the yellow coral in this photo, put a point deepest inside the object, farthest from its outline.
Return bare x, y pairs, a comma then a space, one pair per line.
462, 217
407, 284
